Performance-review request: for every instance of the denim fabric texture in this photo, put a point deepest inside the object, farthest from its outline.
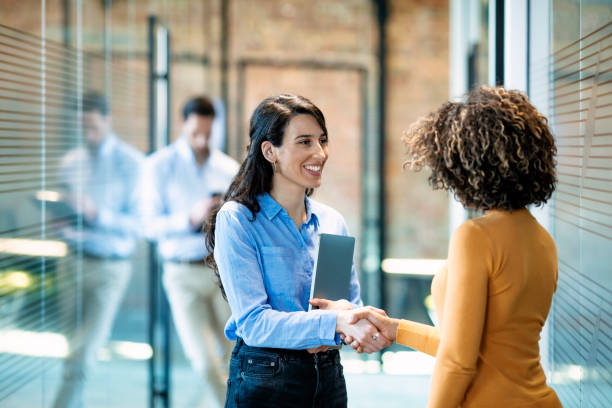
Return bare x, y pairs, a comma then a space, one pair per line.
276, 378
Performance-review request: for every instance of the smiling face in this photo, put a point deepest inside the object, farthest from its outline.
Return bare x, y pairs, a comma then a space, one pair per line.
301, 157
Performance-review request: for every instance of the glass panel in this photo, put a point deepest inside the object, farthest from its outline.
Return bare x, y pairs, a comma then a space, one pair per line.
416, 216
582, 220
478, 59
67, 223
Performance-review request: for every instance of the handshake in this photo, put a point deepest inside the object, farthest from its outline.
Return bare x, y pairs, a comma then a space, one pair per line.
367, 329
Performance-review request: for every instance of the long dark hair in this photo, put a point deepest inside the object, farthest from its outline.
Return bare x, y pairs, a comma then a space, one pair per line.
268, 123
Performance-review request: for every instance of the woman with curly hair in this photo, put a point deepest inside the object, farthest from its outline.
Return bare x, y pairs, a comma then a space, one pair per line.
496, 153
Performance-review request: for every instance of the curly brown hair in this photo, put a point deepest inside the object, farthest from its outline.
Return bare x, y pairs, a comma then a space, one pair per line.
495, 150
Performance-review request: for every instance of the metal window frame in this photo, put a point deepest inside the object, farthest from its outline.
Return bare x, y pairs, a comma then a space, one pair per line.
159, 316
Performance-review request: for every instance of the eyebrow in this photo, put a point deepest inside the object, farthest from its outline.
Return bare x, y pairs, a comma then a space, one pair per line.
309, 135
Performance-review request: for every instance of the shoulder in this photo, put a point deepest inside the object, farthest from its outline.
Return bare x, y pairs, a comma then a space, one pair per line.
127, 158
234, 221
472, 243
129, 152
471, 231
223, 162
161, 160
234, 210
162, 155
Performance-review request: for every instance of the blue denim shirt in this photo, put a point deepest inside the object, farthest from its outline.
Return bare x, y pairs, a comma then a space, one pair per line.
266, 268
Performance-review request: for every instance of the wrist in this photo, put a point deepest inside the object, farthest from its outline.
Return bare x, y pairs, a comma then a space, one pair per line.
394, 326
341, 321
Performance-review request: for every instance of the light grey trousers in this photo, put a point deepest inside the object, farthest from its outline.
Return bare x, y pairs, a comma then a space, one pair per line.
199, 314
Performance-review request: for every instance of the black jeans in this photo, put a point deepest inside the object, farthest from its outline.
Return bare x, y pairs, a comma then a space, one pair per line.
267, 377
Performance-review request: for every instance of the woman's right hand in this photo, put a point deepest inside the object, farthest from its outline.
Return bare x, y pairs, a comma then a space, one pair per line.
369, 338
385, 325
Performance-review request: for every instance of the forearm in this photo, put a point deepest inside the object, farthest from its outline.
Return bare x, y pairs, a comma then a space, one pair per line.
158, 226
450, 381
117, 221
418, 336
265, 327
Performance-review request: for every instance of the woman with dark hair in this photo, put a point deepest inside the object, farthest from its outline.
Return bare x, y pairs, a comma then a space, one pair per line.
262, 244
496, 153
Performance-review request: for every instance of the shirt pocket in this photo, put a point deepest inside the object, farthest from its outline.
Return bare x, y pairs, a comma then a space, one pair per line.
284, 277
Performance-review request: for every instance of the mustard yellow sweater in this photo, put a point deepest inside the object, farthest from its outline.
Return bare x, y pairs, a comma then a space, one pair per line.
492, 299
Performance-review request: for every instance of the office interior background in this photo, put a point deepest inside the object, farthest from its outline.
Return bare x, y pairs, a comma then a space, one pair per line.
373, 67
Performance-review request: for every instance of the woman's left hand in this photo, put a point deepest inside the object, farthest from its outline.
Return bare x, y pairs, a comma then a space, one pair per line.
325, 304
316, 350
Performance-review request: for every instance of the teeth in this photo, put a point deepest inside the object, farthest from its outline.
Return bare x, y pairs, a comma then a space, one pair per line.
313, 168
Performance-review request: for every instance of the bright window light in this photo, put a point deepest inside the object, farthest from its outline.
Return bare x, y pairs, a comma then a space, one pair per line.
33, 247
412, 266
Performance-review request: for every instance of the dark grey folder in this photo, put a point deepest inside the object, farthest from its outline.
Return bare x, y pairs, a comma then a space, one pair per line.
332, 272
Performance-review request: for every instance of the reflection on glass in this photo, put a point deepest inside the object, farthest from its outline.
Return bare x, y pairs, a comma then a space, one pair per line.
98, 180
478, 58
581, 100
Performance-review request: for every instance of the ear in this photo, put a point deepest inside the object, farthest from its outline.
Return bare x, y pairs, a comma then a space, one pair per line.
268, 151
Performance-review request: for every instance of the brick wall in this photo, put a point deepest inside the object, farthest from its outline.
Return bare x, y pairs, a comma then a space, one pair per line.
418, 72
339, 33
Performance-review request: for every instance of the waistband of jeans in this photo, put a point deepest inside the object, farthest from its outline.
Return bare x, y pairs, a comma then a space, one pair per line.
241, 346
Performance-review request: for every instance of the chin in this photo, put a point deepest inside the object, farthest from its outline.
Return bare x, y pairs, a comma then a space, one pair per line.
314, 185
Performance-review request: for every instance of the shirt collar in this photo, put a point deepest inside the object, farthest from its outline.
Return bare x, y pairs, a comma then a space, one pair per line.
184, 149
271, 208
269, 205
311, 215
186, 152
107, 145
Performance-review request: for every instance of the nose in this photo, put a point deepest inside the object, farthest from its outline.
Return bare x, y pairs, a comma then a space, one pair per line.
321, 150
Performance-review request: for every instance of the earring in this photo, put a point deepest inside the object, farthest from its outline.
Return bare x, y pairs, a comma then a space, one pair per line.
274, 167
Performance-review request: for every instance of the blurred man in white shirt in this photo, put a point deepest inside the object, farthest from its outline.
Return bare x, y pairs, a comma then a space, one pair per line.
99, 180
181, 183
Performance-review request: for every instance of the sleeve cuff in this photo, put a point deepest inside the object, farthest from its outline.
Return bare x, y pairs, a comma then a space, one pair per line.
327, 328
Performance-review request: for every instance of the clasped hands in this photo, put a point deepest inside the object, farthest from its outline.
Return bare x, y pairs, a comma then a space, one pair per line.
367, 329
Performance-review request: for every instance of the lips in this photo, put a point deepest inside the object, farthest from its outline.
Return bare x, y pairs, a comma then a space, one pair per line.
314, 170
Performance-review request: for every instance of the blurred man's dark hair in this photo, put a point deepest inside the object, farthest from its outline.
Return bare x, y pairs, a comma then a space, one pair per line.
94, 101
200, 105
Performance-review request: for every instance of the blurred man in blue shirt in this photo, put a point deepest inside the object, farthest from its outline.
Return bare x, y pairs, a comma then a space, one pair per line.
181, 183
99, 180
